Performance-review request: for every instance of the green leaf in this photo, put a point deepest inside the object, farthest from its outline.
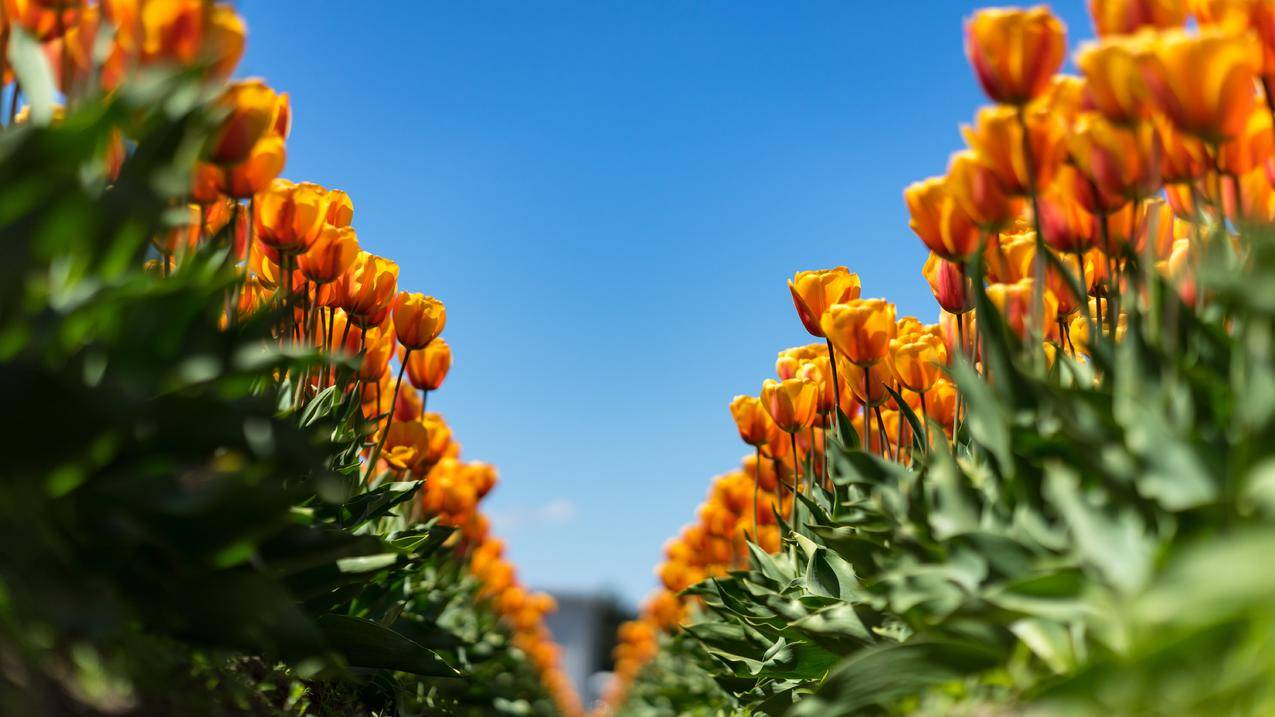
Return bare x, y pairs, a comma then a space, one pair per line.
365, 643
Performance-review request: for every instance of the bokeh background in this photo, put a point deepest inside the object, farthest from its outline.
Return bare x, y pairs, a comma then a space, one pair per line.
609, 196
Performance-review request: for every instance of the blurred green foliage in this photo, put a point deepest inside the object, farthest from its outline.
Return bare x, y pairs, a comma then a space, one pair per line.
174, 541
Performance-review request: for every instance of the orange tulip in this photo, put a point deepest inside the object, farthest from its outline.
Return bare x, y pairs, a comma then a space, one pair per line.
427, 368
866, 383
250, 106
814, 291
255, 174
41, 18
997, 137
1251, 148
861, 329
406, 445
378, 348
1185, 158
330, 255
948, 284
1113, 76
751, 419
1121, 17
1120, 161
289, 217
916, 360
1014, 51
440, 438
340, 208
791, 404
1204, 82
1066, 224
1014, 301
940, 404
366, 289
418, 319
979, 192
938, 219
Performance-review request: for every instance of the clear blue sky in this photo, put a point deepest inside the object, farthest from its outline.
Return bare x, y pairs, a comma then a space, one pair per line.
609, 196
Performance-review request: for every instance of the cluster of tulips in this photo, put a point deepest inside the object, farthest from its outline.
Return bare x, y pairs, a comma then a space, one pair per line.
1073, 191
300, 256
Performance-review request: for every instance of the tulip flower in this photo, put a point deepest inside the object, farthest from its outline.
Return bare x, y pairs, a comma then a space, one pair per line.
340, 208
43, 19
751, 419
406, 445
428, 367
1013, 301
861, 329
814, 291
1121, 17
948, 284
1204, 82
916, 360
1014, 51
792, 405
250, 106
939, 221
418, 319
1113, 77
1066, 224
255, 174
366, 290
1119, 161
979, 192
288, 218
997, 137
330, 255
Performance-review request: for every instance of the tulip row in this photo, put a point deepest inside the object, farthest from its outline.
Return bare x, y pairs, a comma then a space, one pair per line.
300, 258
1072, 194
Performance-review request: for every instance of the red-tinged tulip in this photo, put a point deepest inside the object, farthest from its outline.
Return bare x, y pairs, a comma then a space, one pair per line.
937, 218
1241, 16
1185, 157
1014, 51
407, 406
819, 371
1057, 285
861, 329
1014, 301
441, 444
1123, 227
751, 419
791, 359
1163, 228
418, 319
1249, 199
1113, 76
1122, 17
366, 290
44, 19
289, 217
330, 255
1204, 82
814, 291
948, 284
979, 192
427, 368
1014, 257
1066, 98
378, 349
997, 137
1066, 224
1249, 149
250, 106
791, 404
1119, 161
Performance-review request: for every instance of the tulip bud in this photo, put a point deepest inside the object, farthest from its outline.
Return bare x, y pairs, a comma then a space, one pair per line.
1014, 51
427, 368
791, 403
861, 329
814, 291
418, 319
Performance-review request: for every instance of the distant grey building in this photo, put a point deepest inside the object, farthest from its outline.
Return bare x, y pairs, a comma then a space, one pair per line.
584, 626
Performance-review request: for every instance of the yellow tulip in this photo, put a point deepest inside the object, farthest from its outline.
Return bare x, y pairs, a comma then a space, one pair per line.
791, 404
1204, 82
939, 221
916, 360
427, 368
1121, 17
814, 291
1015, 51
418, 319
861, 329
751, 419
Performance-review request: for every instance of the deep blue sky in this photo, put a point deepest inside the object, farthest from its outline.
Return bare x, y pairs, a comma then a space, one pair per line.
609, 196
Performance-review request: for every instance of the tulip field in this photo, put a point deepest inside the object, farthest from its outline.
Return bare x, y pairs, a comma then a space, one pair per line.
226, 492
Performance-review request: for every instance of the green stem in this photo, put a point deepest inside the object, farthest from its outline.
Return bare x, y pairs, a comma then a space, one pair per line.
376, 453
